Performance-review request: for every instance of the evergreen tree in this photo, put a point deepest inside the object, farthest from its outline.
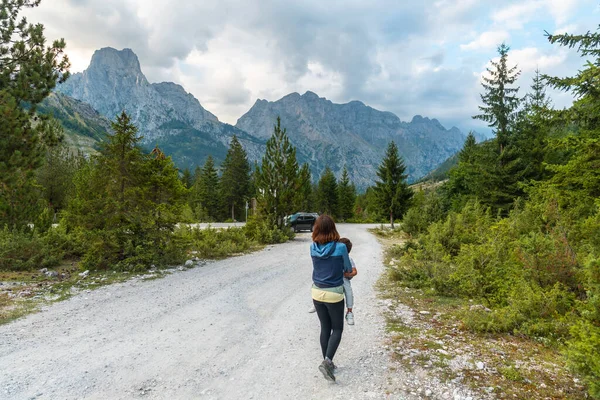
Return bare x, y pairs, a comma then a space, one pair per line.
304, 195
391, 190
575, 187
186, 178
537, 100
327, 193
277, 178
28, 72
126, 203
235, 181
206, 192
499, 98
346, 196
57, 174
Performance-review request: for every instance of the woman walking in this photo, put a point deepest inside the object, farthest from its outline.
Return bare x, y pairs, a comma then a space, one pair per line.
330, 261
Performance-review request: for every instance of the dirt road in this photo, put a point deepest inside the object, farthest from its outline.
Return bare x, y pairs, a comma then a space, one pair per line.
233, 329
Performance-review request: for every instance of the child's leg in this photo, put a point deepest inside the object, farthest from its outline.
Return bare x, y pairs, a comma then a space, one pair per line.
349, 294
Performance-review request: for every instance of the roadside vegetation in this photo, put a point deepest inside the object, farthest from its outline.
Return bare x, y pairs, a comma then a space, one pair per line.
503, 258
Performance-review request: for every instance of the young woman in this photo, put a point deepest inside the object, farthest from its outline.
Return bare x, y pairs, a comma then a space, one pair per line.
330, 261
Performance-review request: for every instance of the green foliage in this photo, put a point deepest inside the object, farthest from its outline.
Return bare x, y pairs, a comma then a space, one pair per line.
235, 182
204, 197
126, 205
215, 243
346, 197
327, 193
261, 230
499, 99
28, 72
426, 207
26, 250
392, 194
57, 174
305, 195
277, 178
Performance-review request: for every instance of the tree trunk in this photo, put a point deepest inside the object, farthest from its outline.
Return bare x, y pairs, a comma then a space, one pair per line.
232, 212
392, 219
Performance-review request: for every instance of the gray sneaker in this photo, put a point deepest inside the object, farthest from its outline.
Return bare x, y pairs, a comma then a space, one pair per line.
350, 318
326, 369
312, 309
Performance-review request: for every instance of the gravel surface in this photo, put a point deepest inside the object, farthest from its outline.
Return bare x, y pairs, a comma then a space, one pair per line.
232, 329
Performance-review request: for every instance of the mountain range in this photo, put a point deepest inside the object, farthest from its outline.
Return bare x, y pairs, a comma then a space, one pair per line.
325, 133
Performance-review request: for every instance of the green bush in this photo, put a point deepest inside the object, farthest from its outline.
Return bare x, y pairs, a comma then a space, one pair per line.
216, 243
20, 250
25, 250
426, 208
264, 232
583, 350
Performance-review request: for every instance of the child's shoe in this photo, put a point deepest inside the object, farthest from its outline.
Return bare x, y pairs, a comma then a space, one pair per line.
312, 309
350, 318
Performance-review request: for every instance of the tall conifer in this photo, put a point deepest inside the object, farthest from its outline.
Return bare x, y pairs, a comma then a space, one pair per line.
29, 70
500, 100
235, 181
327, 194
391, 190
277, 178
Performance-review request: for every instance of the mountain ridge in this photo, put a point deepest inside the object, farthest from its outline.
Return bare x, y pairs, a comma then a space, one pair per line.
326, 134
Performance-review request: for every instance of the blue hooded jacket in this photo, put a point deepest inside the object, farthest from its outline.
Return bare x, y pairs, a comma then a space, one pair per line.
330, 261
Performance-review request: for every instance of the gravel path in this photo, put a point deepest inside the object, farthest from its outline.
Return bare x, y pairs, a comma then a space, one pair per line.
233, 329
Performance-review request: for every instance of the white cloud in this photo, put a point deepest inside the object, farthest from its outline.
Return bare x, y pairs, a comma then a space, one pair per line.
487, 40
516, 15
561, 10
530, 58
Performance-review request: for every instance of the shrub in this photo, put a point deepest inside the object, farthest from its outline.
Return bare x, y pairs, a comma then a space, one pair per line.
24, 250
216, 243
20, 250
264, 232
583, 348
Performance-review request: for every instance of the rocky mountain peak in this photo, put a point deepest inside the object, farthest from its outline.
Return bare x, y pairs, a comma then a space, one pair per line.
310, 96
110, 58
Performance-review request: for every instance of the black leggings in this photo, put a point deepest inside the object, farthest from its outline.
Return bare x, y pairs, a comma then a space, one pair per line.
331, 316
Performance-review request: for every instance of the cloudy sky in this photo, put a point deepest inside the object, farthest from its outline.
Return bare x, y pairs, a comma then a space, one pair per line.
408, 57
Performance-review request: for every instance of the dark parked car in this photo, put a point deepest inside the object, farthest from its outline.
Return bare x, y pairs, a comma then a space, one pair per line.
301, 221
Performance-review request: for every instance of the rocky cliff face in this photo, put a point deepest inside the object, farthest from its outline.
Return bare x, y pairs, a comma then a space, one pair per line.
164, 113
83, 126
352, 135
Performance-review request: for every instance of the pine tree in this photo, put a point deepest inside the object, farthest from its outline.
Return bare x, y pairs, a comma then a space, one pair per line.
391, 190
57, 174
278, 177
126, 203
186, 178
304, 195
327, 193
206, 192
28, 72
235, 181
537, 100
575, 187
346, 196
499, 98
